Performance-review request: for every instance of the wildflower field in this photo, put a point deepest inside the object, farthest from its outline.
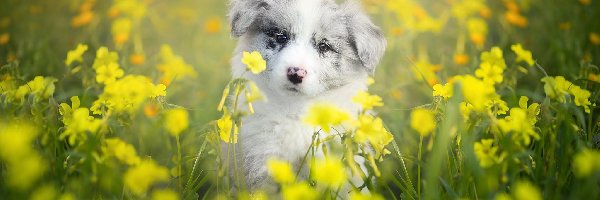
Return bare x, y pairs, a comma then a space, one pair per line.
131, 99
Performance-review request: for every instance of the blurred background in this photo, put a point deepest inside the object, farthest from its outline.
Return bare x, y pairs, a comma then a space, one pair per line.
429, 41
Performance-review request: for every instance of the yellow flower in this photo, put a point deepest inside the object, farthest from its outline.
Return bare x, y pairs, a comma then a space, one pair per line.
515, 18
76, 54
524, 190
497, 106
423, 121
372, 130
281, 171
444, 91
80, 125
23, 165
126, 94
165, 194
558, 88
532, 110
254, 62
425, 71
325, 115
105, 57
354, 195
522, 54
594, 38
212, 25
486, 153
120, 30
107, 74
122, 151
173, 67
253, 93
494, 57
299, 191
491, 74
136, 9
478, 29
461, 59
586, 163
476, 92
159, 90
366, 100
67, 111
4, 38
40, 87
176, 121
137, 59
140, 177
520, 127
330, 172
225, 125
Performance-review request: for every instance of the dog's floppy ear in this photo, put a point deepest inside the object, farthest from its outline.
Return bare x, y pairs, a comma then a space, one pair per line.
367, 39
242, 13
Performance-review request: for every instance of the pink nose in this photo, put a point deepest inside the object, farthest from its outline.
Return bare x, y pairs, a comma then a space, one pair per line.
296, 74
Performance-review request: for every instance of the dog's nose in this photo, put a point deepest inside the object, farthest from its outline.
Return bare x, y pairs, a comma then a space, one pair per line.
296, 74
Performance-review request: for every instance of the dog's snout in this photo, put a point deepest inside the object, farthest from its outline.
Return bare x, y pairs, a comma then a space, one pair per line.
296, 74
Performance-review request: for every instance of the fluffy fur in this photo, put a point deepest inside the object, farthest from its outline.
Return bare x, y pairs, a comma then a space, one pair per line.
336, 44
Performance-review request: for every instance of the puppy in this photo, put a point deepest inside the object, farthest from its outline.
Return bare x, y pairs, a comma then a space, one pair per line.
316, 51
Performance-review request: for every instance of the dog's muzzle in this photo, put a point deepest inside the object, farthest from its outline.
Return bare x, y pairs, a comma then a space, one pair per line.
296, 74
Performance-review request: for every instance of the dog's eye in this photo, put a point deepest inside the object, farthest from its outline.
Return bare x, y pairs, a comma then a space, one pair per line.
324, 47
281, 37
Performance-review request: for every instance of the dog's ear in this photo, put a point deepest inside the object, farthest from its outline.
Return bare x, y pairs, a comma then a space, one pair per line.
242, 13
365, 37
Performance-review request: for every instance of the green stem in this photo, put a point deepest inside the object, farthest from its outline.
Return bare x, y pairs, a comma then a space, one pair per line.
419, 167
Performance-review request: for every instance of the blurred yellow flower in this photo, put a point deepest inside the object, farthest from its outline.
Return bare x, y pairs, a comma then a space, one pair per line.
486, 153
444, 91
595, 38
76, 54
299, 191
491, 74
325, 115
121, 150
423, 121
522, 54
253, 93
151, 109
478, 30
425, 71
82, 19
137, 59
164, 194
520, 127
40, 87
372, 130
366, 100
591, 77
226, 125
494, 57
515, 18
4, 38
23, 165
107, 74
139, 178
81, 123
136, 9
330, 172
120, 29
254, 62
586, 162
176, 121
476, 92
127, 94
212, 25
461, 59
105, 57
173, 67
524, 190
558, 88
281, 171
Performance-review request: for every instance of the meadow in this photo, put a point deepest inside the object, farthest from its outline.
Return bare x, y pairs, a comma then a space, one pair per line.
130, 99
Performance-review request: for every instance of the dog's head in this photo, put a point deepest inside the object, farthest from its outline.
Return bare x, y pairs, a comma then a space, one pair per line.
311, 46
